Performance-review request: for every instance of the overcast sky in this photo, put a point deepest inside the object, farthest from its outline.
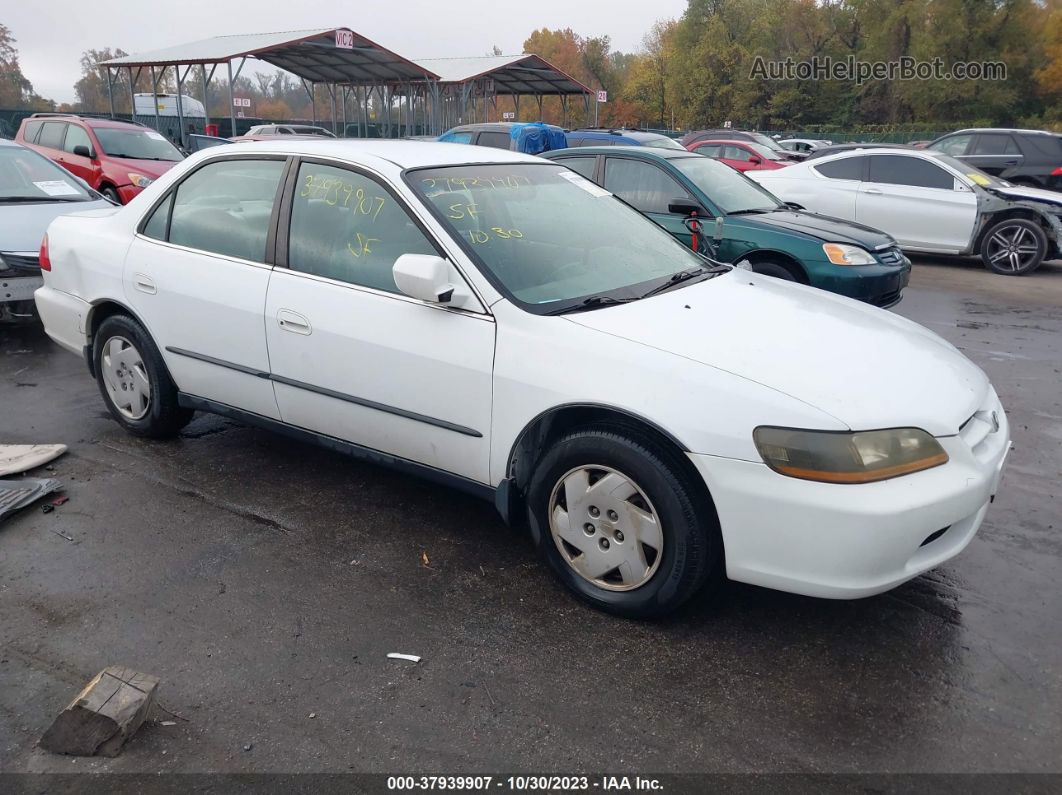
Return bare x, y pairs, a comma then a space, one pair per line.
51, 34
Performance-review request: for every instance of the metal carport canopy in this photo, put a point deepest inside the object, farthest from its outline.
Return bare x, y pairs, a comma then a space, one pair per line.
512, 74
312, 55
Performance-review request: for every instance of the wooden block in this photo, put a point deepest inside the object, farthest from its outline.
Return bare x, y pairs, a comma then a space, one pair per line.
103, 716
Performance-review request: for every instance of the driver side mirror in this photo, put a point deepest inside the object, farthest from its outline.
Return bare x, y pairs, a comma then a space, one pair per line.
687, 206
83, 151
755, 160
425, 277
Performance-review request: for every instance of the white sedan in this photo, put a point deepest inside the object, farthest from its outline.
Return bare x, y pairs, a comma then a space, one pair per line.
931, 202
496, 322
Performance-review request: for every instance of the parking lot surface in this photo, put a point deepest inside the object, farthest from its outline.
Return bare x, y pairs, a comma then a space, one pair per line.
265, 582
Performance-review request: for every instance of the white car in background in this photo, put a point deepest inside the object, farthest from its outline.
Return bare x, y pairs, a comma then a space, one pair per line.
930, 202
497, 322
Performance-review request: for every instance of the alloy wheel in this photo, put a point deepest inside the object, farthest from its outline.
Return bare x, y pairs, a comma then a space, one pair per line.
125, 377
606, 528
1012, 247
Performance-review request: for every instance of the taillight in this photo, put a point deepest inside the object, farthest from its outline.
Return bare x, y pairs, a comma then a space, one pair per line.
1057, 172
45, 263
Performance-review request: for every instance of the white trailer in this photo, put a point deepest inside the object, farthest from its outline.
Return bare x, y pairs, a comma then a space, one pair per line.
167, 106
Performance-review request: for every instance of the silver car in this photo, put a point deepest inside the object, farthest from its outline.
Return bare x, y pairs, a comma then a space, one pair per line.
33, 192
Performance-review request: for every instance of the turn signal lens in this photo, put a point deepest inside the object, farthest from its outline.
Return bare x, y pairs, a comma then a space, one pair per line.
862, 457
42, 257
843, 254
140, 181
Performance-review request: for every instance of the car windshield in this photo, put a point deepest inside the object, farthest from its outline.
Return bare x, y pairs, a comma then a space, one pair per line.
974, 175
549, 238
729, 190
764, 140
765, 152
663, 142
25, 176
136, 144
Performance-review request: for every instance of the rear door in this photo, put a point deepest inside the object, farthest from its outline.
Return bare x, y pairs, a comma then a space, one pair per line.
50, 140
197, 274
919, 203
649, 189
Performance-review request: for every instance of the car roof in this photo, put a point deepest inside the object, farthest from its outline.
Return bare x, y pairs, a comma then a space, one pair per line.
404, 154
1000, 130
648, 152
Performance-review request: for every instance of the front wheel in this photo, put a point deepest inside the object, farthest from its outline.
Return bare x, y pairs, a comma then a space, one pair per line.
134, 381
620, 523
775, 270
1014, 247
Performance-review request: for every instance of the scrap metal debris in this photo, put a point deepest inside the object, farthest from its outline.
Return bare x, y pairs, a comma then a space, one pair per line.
18, 458
17, 494
410, 657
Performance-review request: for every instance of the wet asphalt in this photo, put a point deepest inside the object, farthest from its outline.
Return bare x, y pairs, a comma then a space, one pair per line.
265, 581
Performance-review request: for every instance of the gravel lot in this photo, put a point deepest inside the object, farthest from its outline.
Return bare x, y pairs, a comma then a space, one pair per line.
265, 581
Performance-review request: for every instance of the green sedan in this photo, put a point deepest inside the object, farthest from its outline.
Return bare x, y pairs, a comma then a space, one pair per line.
741, 222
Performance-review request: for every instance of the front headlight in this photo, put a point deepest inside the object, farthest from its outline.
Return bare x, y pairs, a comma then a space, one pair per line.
140, 181
843, 457
843, 254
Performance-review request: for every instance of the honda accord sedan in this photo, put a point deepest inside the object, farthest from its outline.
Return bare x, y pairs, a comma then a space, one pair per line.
499, 323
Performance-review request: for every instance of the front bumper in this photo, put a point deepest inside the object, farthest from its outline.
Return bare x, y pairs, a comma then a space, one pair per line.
127, 193
881, 285
852, 541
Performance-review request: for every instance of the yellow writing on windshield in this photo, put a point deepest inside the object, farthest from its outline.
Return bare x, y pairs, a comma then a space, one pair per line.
334, 191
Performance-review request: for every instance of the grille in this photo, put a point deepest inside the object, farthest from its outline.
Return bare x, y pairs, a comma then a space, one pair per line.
890, 256
21, 261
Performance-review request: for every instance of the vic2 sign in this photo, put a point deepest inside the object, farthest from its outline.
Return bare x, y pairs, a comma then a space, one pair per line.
345, 39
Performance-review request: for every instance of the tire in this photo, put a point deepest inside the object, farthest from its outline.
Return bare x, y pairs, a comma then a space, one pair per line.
775, 270
1014, 247
134, 381
660, 563
111, 194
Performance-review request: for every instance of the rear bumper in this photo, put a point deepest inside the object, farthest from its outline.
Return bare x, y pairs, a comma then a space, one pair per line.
63, 316
851, 541
19, 288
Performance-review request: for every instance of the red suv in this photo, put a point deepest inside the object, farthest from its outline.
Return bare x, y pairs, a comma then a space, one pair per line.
741, 155
117, 158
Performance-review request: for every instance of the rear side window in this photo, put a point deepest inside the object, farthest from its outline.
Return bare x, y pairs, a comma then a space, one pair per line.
994, 145
348, 227
643, 185
225, 208
52, 135
709, 150
911, 171
847, 168
30, 133
580, 165
499, 140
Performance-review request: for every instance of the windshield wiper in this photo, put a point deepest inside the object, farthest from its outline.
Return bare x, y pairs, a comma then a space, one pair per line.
593, 302
752, 211
684, 276
49, 199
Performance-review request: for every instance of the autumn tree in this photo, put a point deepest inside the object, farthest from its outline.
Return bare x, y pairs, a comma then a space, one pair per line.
16, 91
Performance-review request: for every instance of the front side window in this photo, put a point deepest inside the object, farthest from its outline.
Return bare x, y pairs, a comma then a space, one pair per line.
729, 190
548, 237
348, 227
225, 208
75, 137
641, 184
911, 171
136, 143
952, 145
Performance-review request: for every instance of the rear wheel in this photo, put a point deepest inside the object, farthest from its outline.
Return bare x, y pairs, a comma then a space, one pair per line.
619, 522
134, 381
1014, 247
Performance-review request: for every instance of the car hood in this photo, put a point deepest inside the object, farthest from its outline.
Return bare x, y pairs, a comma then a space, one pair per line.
865, 366
825, 228
23, 225
1022, 193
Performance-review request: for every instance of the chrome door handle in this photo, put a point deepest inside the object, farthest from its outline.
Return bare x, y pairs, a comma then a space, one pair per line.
293, 322
144, 284
875, 191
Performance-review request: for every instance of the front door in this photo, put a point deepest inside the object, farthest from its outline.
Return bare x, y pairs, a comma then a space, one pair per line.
354, 358
197, 275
